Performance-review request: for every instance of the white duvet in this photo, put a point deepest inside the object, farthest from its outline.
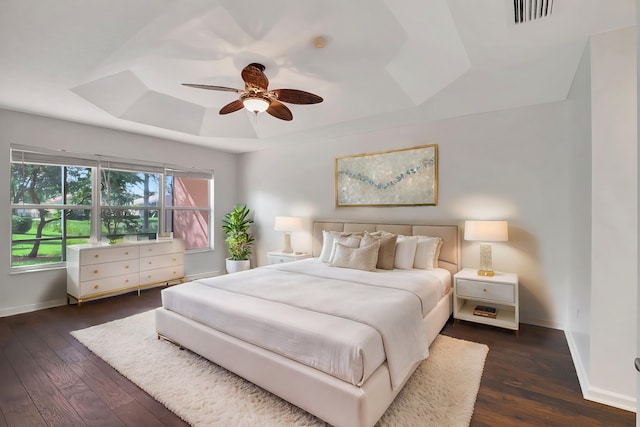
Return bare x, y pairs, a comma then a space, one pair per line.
343, 322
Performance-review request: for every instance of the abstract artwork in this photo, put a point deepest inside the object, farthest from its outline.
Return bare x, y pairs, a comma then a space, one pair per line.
405, 177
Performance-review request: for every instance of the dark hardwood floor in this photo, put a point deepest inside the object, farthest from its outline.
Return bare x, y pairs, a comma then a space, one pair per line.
47, 378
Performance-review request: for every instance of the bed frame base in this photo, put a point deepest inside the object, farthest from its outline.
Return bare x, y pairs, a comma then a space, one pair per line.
330, 399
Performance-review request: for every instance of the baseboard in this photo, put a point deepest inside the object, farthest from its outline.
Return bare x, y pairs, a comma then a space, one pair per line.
541, 322
583, 378
611, 399
596, 394
32, 307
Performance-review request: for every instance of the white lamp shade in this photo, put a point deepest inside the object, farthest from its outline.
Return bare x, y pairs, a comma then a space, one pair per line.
288, 223
486, 231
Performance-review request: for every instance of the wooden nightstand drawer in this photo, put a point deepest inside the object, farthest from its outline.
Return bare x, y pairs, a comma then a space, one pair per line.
484, 290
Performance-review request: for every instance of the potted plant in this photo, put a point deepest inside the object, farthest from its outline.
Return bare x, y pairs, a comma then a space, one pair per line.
239, 242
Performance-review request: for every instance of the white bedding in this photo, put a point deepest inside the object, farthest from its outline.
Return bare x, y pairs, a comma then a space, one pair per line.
284, 308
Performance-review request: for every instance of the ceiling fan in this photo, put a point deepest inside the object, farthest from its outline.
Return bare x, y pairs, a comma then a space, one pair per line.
256, 98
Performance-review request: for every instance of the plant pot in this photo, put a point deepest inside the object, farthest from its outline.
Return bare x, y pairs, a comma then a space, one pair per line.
235, 266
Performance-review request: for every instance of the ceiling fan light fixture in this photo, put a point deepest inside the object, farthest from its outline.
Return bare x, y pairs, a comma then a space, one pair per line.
256, 104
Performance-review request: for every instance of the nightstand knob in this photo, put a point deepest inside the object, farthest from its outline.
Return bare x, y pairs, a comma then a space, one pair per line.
484, 290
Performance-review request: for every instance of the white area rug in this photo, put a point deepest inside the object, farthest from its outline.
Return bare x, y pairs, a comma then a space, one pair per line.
442, 391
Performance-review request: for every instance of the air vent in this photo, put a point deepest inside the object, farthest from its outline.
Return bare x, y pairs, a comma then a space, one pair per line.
527, 10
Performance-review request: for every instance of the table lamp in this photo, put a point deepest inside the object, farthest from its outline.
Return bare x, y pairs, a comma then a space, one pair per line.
288, 224
486, 231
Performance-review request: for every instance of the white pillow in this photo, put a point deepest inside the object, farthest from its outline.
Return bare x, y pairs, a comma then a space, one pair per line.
364, 258
427, 252
327, 243
405, 252
349, 241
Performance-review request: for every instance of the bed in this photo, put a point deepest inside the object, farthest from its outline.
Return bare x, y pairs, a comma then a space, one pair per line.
269, 325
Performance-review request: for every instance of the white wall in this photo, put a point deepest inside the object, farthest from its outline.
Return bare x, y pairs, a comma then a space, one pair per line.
30, 291
503, 165
578, 329
614, 215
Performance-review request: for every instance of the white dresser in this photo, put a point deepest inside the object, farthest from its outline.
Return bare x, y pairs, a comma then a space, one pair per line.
95, 271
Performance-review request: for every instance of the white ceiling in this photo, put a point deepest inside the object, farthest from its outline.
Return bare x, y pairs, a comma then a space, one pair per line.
120, 63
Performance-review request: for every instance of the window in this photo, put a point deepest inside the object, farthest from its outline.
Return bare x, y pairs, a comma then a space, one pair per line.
129, 203
186, 209
60, 200
50, 207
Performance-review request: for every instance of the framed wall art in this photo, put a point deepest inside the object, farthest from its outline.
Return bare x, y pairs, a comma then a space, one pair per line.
405, 177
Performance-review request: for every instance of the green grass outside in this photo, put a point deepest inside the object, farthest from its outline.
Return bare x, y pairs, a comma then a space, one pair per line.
50, 251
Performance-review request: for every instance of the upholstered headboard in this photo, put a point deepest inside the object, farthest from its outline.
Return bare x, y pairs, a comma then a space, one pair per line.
449, 253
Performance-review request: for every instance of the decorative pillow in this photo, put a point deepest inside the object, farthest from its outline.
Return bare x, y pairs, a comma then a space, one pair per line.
327, 243
364, 258
350, 241
427, 252
387, 251
405, 252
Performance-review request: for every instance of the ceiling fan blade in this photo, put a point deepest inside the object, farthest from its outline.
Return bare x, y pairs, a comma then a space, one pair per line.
294, 96
209, 87
279, 110
231, 107
253, 75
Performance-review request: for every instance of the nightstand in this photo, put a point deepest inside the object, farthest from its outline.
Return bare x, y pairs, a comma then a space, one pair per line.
499, 291
277, 257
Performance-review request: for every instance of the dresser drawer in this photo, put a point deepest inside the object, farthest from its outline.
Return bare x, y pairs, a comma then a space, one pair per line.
108, 284
168, 260
101, 255
161, 275
100, 271
162, 248
484, 290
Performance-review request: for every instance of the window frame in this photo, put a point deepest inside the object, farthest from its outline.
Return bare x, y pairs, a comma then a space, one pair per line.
97, 164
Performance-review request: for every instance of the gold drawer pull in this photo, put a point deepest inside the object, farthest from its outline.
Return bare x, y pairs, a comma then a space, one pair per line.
150, 263
126, 266
126, 281
149, 277
95, 271
96, 256
484, 290
174, 260
126, 253
96, 286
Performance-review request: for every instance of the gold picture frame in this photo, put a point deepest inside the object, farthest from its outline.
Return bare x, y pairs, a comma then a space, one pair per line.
404, 177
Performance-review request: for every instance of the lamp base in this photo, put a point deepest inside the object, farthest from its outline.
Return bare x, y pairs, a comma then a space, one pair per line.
485, 273
287, 244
